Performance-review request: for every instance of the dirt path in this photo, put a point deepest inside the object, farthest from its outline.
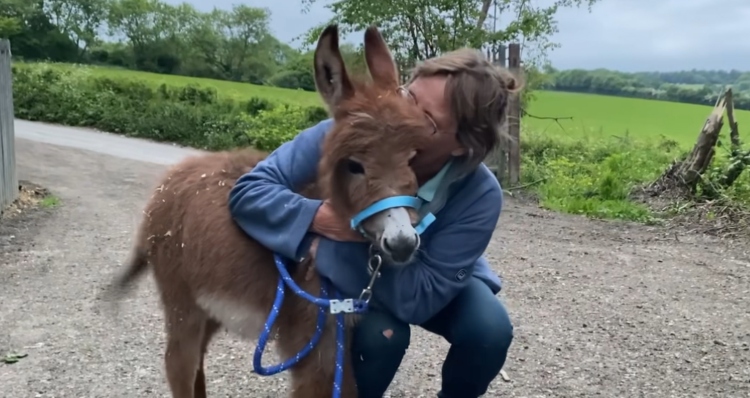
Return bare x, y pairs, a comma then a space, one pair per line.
601, 309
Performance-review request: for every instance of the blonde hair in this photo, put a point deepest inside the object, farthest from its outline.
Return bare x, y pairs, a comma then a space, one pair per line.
478, 93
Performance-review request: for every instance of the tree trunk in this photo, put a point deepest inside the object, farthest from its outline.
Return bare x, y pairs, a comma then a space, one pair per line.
703, 152
684, 176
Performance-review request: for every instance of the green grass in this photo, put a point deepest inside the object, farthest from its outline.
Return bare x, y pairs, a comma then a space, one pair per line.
591, 176
235, 90
599, 116
49, 201
586, 165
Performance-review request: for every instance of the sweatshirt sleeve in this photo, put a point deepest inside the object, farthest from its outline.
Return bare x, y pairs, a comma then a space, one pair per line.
263, 202
421, 289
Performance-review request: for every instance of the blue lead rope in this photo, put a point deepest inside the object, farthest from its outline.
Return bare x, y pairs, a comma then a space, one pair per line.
336, 306
265, 335
338, 378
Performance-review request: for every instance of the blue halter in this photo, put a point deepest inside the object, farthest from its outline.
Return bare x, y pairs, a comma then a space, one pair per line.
335, 306
389, 203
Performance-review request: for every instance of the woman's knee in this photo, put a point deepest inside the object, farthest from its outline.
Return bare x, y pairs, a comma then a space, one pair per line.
380, 334
490, 330
379, 343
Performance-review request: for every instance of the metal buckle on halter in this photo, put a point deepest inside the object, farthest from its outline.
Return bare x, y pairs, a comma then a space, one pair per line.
373, 268
366, 295
338, 306
374, 263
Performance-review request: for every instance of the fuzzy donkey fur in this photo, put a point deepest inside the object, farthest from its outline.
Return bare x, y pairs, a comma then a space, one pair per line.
210, 274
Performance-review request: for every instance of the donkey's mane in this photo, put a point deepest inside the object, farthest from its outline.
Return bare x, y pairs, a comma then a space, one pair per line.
374, 116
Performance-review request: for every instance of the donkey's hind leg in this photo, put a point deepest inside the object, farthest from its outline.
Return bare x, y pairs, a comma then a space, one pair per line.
185, 334
200, 379
313, 376
309, 382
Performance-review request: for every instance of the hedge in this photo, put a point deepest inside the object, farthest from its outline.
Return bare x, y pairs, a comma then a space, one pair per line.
191, 116
571, 175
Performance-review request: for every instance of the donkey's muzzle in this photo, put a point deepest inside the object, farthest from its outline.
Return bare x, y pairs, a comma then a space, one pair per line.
401, 247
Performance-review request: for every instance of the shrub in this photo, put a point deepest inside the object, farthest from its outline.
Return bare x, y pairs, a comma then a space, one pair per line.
191, 94
591, 177
316, 113
271, 128
191, 115
301, 79
255, 105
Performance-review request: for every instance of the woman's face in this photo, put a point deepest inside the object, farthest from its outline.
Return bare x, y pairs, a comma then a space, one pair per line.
429, 94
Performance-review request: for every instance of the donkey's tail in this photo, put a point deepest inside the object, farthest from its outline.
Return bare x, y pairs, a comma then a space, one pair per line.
123, 282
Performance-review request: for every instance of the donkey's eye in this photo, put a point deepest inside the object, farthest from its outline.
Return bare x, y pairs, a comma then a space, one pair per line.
355, 167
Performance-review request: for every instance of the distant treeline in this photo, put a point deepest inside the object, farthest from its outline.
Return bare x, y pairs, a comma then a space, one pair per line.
695, 86
237, 44
153, 36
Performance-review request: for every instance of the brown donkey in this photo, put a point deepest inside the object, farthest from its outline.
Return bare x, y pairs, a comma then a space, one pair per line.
210, 274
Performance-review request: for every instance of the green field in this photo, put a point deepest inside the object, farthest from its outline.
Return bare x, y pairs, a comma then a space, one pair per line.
593, 115
225, 88
598, 115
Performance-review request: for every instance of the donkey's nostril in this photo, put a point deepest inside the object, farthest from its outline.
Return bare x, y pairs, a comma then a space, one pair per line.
400, 248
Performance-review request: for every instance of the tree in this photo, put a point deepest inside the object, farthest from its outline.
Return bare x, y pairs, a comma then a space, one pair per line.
154, 30
298, 70
13, 15
419, 29
237, 44
33, 36
80, 20
681, 86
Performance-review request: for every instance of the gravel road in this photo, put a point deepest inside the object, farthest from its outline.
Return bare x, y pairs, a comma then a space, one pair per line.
601, 309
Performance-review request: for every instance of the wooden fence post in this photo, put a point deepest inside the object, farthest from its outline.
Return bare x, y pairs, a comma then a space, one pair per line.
498, 160
514, 119
8, 177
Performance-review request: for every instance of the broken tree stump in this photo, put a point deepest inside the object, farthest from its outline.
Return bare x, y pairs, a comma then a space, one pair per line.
734, 133
703, 152
683, 176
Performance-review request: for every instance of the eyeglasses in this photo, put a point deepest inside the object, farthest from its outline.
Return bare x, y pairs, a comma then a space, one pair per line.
404, 92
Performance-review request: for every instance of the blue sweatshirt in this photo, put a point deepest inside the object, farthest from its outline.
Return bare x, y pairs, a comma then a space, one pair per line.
467, 207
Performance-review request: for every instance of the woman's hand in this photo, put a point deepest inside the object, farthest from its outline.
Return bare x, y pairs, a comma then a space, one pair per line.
311, 264
327, 223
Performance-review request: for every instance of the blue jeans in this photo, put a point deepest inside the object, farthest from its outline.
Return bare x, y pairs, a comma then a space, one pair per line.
475, 324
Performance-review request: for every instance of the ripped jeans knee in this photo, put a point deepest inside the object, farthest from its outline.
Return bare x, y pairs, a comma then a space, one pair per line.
379, 343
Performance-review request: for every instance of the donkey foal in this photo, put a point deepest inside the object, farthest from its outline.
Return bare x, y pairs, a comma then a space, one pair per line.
209, 273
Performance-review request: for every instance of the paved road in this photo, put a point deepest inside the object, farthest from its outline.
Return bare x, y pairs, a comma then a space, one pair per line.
601, 309
101, 142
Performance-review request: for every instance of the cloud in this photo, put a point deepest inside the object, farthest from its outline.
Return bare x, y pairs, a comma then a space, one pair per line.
627, 35
634, 35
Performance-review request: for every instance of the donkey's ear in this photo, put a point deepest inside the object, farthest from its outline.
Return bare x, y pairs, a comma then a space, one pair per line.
379, 60
331, 79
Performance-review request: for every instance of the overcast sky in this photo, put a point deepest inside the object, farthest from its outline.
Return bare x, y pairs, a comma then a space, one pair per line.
627, 35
